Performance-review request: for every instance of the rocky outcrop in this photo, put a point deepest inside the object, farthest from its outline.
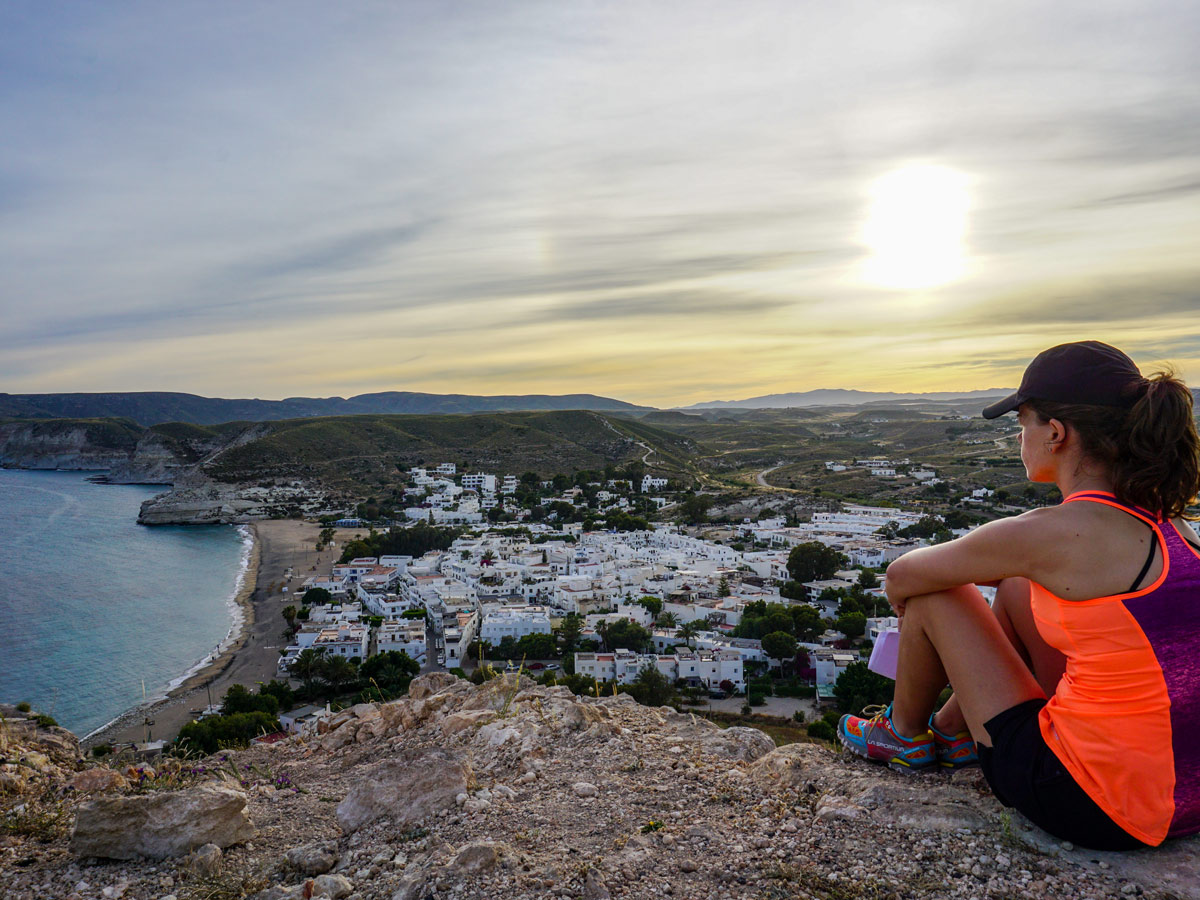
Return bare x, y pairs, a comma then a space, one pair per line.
406, 790
562, 796
34, 756
203, 502
64, 445
159, 826
155, 460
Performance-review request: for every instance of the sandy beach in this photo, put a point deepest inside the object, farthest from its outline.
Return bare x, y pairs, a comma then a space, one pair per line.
251, 656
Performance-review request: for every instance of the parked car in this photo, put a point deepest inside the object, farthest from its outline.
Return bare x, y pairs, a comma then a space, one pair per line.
717, 695
533, 667
551, 667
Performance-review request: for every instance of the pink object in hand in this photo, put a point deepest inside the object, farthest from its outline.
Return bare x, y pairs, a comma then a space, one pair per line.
885, 653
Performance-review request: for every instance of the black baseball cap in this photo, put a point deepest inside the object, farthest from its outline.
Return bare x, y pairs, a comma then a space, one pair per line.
1086, 372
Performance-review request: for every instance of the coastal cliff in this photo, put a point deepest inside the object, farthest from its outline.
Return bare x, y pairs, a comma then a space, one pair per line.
174, 455
200, 501
518, 790
68, 444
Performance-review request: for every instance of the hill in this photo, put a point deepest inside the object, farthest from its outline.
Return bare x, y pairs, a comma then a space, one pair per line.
517, 790
344, 452
844, 397
154, 407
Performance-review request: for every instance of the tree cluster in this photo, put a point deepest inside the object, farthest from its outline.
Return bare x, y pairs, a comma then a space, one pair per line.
813, 561
858, 687
382, 676
414, 540
801, 621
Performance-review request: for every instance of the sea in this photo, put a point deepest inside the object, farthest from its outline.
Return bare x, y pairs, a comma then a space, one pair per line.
98, 612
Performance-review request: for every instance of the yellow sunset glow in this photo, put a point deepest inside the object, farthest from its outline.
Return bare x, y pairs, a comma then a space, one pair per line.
915, 228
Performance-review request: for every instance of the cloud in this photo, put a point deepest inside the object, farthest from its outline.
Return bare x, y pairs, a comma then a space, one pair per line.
542, 194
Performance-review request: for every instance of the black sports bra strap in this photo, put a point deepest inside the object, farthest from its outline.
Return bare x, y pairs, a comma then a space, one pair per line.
1145, 568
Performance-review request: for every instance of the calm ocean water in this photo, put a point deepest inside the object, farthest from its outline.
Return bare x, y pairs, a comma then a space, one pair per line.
92, 604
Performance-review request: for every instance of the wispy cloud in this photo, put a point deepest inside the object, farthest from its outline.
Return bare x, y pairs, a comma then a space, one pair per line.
624, 198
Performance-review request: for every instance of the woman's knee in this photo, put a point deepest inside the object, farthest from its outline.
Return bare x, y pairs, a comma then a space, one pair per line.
927, 606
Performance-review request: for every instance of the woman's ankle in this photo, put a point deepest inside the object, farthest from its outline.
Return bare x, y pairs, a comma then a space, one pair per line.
908, 728
948, 721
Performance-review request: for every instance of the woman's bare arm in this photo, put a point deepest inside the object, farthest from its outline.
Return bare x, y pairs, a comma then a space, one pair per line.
995, 551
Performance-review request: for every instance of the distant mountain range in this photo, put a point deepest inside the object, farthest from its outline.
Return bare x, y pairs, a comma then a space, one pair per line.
155, 407
843, 397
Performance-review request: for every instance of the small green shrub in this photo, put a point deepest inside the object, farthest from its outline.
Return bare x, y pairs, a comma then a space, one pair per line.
23, 707
102, 750
45, 721
820, 730
43, 819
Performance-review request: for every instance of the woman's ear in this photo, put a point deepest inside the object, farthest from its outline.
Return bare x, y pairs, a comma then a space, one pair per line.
1057, 438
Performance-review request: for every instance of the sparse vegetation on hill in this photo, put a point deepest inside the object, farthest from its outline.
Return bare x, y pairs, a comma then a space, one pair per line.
345, 451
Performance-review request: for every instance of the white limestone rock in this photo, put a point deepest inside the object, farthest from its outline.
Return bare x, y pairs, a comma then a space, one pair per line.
159, 826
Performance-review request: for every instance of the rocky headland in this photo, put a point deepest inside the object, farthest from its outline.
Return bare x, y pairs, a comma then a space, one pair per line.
515, 790
173, 456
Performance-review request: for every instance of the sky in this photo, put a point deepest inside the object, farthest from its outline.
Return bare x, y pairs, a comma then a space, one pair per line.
662, 202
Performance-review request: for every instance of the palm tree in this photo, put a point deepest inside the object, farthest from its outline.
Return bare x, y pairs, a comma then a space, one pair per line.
338, 671
307, 666
687, 631
667, 620
602, 633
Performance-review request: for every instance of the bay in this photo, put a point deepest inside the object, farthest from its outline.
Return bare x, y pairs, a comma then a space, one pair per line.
93, 605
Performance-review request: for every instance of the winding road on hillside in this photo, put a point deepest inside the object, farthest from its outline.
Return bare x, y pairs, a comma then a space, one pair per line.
642, 444
761, 478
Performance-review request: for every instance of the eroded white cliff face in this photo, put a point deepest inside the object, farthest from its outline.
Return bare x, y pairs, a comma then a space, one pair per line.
198, 501
26, 446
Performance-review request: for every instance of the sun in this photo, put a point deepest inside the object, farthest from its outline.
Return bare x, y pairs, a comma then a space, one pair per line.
916, 227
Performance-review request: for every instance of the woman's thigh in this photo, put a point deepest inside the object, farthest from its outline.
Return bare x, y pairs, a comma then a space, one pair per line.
1013, 610
982, 665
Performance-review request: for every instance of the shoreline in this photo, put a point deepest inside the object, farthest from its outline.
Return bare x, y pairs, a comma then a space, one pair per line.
282, 556
197, 675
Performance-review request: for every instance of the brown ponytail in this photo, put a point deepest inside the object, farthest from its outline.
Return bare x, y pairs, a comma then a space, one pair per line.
1152, 450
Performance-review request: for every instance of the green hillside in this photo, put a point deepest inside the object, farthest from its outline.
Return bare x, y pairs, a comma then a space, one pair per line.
354, 452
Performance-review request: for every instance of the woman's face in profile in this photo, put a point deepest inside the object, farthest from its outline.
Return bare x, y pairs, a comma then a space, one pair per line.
1034, 439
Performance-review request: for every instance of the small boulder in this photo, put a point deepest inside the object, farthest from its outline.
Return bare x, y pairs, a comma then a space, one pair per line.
313, 859
428, 685
205, 860
476, 857
585, 789
159, 826
411, 888
99, 780
405, 790
594, 887
335, 887
744, 744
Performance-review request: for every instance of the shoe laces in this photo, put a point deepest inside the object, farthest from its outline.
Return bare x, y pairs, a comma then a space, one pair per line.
876, 712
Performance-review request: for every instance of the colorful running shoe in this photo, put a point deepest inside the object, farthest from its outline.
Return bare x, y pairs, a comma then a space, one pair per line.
876, 738
953, 751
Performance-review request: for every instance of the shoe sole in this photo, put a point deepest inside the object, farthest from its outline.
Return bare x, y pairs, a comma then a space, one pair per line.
954, 767
895, 763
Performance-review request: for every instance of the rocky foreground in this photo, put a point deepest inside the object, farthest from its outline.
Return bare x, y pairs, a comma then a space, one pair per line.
514, 790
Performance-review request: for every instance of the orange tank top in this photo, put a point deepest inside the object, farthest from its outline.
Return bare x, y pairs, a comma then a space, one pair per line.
1125, 719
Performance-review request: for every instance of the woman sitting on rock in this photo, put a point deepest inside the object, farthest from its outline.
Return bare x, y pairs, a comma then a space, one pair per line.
1097, 607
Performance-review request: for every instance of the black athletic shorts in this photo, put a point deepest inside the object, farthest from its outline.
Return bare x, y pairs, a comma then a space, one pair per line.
1025, 774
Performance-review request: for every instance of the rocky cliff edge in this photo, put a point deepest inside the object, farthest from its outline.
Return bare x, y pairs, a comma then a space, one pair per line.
514, 790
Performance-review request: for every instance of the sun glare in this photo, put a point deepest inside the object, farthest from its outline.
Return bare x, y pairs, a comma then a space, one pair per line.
916, 227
